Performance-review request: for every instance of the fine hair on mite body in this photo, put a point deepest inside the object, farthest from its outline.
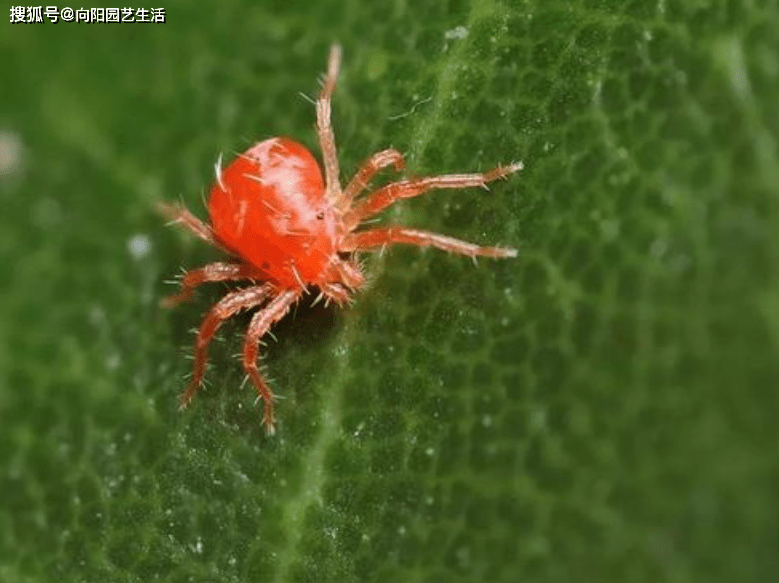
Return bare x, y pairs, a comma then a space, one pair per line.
288, 229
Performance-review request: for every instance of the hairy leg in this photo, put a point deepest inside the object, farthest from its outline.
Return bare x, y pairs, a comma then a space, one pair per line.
228, 306
212, 272
325, 128
392, 235
387, 195
178, 213
335, 292
366, 172
260, 324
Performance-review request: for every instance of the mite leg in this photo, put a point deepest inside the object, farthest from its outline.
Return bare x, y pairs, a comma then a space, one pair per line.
387, 195
392, 235
178, 213
212, 272
228, 306
366, 172
325, 128
334, 292
260, 324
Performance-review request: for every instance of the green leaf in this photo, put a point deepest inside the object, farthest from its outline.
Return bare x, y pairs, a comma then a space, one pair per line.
601, 408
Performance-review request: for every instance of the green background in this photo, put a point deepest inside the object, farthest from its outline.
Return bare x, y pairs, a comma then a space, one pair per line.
602, 408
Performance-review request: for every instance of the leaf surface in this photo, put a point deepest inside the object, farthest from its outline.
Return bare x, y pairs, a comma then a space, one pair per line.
601, 408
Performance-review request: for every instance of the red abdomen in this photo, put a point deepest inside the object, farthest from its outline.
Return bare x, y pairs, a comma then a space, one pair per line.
269, 208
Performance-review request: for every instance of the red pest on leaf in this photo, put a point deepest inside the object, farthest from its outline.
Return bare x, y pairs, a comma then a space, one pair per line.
286, 227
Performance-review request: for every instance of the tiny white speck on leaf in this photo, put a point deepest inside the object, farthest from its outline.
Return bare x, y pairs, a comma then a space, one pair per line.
139, 246
112, 361
10, 153
458, 32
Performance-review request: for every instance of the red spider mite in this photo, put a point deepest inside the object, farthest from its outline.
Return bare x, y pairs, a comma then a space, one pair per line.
287, 230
